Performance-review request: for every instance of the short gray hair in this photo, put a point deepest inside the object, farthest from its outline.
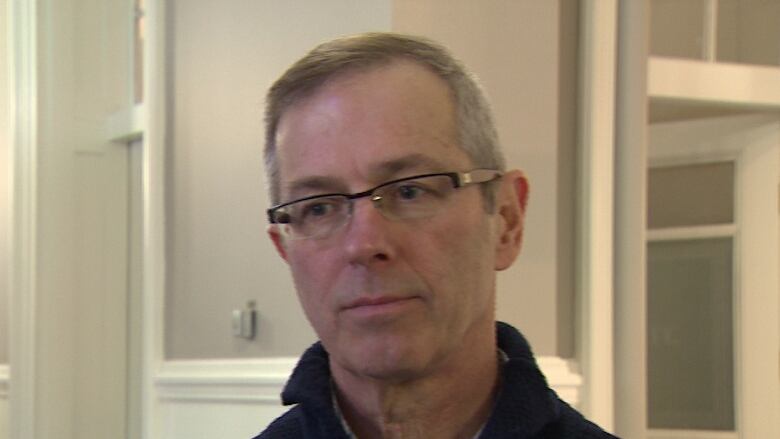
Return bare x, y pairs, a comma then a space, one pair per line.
477, 134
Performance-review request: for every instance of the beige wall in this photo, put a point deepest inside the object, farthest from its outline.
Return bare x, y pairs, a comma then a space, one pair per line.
5, 167
225, 55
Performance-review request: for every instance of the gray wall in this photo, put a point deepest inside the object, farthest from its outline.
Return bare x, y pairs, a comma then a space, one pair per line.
223, 57
524, 52
5, 167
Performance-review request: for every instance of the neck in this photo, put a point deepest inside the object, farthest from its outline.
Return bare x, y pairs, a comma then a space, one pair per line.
453, 401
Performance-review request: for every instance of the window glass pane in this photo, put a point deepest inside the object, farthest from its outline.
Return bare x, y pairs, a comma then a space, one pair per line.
690, 335
691, 195
749, 31
677, 28
744, 31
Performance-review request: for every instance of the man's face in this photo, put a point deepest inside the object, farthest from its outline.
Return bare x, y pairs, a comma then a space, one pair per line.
388, 299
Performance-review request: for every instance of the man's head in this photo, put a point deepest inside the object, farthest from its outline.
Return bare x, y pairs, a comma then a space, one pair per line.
476, 131
405, 285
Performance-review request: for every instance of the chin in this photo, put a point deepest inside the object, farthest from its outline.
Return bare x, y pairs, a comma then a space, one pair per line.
398, 361
383, 371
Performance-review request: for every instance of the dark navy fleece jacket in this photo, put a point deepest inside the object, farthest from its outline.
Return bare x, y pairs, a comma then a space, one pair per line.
526, 407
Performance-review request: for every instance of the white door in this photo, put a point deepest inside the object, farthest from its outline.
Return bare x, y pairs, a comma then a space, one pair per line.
712, 279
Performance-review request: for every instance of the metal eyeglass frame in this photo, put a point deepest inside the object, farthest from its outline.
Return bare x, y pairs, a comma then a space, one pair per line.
459, 180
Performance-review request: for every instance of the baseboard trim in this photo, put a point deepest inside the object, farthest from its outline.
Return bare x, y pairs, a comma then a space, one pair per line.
261, 381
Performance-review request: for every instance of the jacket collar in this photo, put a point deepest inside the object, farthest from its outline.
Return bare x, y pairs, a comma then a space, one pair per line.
525, 402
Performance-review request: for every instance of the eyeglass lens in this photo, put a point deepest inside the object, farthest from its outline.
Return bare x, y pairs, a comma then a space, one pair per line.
416, 198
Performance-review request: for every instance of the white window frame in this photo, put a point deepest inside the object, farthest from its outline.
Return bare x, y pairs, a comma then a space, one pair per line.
753, 144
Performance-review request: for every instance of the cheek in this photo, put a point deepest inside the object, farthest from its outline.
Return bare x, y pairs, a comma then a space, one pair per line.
458, 257
310, 276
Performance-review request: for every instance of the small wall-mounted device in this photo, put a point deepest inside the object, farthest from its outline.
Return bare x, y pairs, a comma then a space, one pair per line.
245, 321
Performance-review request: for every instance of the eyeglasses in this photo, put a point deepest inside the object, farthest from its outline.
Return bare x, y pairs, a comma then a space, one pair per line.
420, 196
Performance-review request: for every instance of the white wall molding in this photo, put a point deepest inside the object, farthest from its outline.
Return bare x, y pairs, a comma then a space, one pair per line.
153, 201
3, 381
714, 83
630, 189
261, 381
691, 434
127, 125
595, 210
24, 223
564, 376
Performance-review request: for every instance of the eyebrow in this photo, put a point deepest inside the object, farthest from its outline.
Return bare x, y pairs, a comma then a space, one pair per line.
383, 171
315, 183
392, 168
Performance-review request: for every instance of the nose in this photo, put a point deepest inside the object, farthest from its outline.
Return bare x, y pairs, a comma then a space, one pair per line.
367, 237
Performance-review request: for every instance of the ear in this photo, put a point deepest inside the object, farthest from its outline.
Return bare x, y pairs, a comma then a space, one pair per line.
278, 240
511, 201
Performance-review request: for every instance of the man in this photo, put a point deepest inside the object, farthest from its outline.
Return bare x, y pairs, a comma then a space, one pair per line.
394, 212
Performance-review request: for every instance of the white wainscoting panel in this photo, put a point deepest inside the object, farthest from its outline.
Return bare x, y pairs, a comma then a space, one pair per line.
691, 434
220, 398
215, 420
229, 380
4, 401
238, 398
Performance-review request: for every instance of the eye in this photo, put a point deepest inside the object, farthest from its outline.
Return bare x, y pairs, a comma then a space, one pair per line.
317, 209
410, 192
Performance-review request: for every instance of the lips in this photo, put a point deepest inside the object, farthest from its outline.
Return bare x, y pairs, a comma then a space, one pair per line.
375, 301
379, 307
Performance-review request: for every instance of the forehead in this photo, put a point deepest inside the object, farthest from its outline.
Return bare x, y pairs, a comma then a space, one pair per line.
361, 119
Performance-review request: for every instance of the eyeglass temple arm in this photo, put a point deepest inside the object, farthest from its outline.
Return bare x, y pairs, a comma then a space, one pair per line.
477, 176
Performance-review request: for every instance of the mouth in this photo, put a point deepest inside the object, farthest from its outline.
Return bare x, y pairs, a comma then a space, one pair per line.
379, 307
